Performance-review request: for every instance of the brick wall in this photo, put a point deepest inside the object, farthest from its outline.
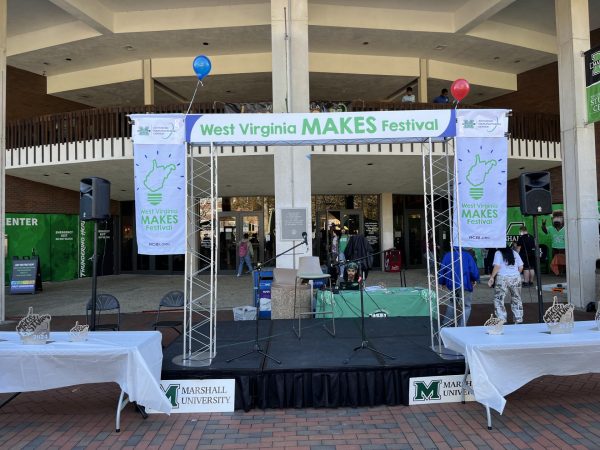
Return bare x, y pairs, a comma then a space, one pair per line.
26, 96
24, 196
537, 91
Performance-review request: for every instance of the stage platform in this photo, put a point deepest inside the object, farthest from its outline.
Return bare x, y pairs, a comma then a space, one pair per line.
312, 372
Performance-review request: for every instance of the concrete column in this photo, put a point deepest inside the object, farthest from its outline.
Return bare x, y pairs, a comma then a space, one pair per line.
148, 82
291, 94
3, 153
387, 222
423, 76
579, 153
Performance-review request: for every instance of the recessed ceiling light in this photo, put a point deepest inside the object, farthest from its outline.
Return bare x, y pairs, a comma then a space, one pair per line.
46, 63
517, 61
205, 43
369, 164
227, 185
228, 91
68, 59
129, 47
366, 43
440, 47
67, 173
46, 175
522, 168
349, 184
496, 58
123, 190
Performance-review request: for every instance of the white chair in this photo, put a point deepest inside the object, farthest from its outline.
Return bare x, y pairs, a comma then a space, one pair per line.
309, 269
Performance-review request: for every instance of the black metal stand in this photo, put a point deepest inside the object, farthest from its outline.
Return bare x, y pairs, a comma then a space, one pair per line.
257, 348
364, 344
538, 272
94, 277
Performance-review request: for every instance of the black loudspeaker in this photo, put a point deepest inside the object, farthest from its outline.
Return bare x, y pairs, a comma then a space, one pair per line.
94, 199
536, 198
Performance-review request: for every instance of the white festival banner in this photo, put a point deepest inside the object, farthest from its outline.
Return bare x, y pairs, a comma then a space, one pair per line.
310, 128
160, 185
481, 182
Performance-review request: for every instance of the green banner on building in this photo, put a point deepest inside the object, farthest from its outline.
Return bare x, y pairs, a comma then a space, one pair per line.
592, 84
54, 238
86, 248
64, 240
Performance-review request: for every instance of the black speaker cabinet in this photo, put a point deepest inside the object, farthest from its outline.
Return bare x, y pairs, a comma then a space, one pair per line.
536, 198
94, 199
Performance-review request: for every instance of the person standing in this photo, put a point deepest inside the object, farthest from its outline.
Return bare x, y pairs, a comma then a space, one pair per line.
409, 97
557, 234
342, 244
442, 98
245, 253
506, 277
451, 277
360, 250
526, 250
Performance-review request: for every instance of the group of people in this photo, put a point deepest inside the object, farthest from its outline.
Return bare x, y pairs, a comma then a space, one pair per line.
409, 97
345, 247
508, 265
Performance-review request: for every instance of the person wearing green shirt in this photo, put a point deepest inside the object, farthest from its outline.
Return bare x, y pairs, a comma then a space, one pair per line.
557, 234
342, 244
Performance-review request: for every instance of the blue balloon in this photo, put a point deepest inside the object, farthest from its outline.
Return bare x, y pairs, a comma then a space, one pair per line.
201, 66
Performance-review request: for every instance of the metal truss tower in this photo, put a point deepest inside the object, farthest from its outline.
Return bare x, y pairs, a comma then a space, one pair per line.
200, 313
441, 229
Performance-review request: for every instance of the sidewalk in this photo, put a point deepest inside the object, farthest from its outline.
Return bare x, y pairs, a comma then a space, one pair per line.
138, 293
548, 413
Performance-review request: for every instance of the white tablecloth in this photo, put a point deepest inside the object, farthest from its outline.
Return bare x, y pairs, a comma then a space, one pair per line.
133, 359
502, 364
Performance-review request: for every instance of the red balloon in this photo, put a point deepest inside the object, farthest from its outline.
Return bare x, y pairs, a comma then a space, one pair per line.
460, 89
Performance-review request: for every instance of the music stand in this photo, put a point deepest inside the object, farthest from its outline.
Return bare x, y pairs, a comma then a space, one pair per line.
364, 344
257, 348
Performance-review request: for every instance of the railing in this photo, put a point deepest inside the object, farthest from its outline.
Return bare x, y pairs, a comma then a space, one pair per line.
105, 123
529, 126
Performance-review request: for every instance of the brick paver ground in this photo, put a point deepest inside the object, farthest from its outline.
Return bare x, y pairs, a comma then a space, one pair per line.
550, 412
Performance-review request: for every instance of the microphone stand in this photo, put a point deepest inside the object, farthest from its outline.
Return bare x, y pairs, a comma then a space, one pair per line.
364, 344
257, 348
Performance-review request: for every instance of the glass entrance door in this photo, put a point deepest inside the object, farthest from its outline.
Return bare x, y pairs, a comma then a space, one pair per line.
233, 225
416, 238
349, 221
227, 243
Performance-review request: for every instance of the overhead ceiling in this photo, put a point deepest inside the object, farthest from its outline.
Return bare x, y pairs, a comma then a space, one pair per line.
330, 174
63, 37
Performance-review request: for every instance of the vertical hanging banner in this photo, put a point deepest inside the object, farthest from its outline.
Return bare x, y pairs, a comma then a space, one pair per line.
592, 84
481, 184
160, 183
480, 178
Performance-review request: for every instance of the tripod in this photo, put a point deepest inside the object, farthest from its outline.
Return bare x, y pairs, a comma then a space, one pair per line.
364, 344
257, 348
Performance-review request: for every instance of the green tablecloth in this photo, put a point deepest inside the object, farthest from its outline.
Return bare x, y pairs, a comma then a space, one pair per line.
391, 302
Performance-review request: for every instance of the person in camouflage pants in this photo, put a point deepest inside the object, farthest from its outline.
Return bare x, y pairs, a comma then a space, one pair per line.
506, 278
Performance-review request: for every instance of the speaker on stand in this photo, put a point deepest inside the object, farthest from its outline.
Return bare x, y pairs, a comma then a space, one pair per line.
536, 200
94, 204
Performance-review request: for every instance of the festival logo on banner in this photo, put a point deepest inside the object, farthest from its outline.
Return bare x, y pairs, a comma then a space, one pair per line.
481, 122
160, 185
481, 181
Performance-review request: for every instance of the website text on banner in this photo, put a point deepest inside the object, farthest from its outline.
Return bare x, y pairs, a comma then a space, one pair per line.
160, 184
481, 178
